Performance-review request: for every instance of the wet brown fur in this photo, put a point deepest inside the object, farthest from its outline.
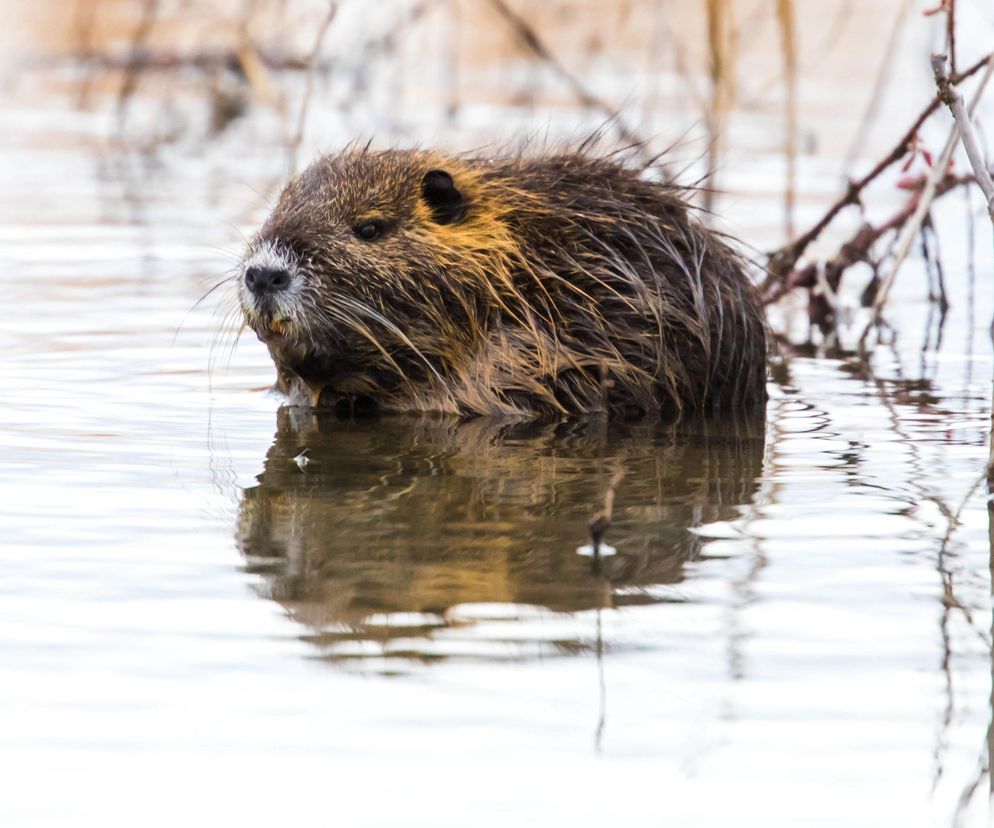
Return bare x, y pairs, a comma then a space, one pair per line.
565, 284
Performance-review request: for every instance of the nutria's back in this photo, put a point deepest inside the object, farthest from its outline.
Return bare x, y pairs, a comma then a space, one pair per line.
556, 284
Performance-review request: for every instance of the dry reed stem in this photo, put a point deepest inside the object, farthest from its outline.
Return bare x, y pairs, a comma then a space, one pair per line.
132, 70
84, 25
721, 75
788, 37
255, 70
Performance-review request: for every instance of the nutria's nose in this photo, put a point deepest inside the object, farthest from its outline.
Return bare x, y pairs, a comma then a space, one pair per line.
263, 280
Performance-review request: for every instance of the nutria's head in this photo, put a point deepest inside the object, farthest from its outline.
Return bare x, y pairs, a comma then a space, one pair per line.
363, 280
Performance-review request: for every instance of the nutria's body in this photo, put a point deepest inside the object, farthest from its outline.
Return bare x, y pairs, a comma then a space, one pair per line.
558, 284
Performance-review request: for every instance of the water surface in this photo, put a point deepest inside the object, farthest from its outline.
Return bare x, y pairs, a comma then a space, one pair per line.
194, 629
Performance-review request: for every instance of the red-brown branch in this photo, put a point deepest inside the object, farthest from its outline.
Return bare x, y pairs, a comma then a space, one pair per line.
781, 263
858, 247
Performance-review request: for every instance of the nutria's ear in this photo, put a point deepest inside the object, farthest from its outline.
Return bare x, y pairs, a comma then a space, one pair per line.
446, 202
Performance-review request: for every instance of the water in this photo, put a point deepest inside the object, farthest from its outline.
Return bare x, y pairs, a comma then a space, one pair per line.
795, 630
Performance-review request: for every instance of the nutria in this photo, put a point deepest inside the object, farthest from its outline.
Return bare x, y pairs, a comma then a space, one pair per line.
558, 284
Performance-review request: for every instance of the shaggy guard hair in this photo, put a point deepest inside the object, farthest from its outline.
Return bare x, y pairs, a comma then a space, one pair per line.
514, 286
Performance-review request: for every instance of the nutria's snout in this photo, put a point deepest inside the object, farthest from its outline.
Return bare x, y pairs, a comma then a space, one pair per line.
269, 290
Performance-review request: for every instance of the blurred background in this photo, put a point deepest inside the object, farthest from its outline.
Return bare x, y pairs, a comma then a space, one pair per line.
796, 628
764, 96
773, 105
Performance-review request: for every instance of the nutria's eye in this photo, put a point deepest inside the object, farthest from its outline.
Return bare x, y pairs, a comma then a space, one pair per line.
369, 230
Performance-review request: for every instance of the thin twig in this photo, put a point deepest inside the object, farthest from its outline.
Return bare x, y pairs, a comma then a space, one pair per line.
205, 60
910, 229
883, 77
951, 34
857, 247
298, 136
529, 37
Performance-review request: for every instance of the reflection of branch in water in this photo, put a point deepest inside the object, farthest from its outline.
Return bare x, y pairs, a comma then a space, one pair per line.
919, 481
602, 686
951, 516
986, 759
744, 588
966, 796
597, 526
745, 595
601, 521
949, 600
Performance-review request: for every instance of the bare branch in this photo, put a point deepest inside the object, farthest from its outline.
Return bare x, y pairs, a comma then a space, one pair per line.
859, 246
782, 262
953, 98
910, 230
529, 37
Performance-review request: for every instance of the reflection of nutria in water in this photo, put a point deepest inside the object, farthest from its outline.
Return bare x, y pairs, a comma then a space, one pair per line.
401, 516
557, 284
